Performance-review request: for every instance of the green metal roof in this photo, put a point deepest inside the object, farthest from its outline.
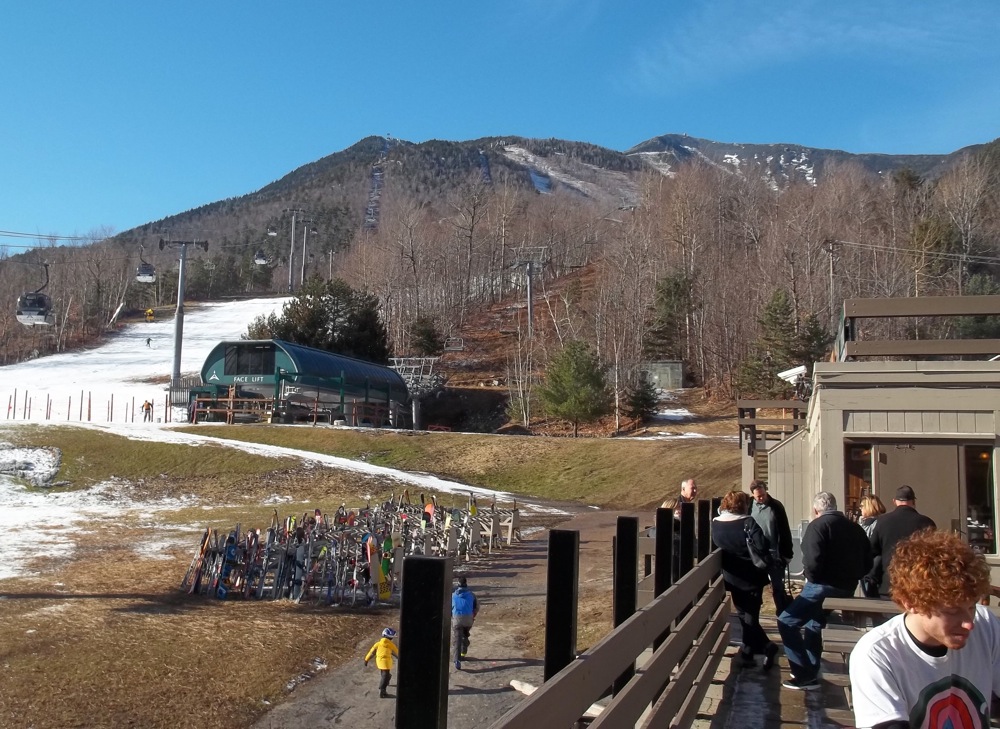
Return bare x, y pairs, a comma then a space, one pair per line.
313, 368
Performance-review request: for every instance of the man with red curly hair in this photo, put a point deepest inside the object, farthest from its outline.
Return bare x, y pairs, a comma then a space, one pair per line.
937, 664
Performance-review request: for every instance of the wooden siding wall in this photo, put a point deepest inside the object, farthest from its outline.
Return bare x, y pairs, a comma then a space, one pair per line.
920, 422
790, 470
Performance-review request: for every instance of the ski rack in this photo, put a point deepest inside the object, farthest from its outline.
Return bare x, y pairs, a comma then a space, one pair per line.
353, 558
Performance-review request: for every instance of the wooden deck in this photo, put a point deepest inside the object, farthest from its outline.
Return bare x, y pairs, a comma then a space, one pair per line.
750, 698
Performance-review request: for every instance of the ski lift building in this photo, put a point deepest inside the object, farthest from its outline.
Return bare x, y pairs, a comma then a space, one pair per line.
307, 384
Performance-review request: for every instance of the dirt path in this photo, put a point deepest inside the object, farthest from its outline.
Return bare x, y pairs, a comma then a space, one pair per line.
510, 587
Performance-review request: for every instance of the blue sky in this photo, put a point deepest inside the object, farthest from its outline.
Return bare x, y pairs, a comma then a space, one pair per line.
121, 113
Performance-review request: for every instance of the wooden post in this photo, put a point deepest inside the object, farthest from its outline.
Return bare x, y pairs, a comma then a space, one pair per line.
704, 528
561, 590
716, 505
687, 539
424, 637
663, 571
625, 578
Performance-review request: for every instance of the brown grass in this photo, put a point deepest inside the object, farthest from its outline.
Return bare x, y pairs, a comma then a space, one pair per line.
109, 641
105, 638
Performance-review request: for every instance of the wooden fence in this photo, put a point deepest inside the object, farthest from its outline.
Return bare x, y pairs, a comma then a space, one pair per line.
692, 619
662, 657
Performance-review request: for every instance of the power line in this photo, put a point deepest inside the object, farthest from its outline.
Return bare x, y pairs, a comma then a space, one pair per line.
39, 236
970, 258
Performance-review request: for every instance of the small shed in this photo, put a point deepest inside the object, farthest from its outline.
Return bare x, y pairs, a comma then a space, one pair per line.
665, 375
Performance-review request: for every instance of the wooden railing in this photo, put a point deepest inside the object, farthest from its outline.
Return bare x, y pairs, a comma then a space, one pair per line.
848, 347
692, 620
231, 409
754, 429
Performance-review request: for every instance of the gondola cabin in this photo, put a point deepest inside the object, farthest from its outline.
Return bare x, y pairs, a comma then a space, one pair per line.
34, 308
145, 273
260, 258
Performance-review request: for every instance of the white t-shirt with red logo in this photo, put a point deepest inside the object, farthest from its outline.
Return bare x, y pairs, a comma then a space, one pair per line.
892, 678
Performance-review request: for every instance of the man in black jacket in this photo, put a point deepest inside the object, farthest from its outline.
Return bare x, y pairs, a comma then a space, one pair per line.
770, 514
835, 555
891, 528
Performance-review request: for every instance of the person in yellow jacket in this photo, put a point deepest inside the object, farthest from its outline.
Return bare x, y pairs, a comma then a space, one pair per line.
383, 650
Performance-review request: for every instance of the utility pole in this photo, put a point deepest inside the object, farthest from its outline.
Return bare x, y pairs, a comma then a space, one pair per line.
175, 375
830, 246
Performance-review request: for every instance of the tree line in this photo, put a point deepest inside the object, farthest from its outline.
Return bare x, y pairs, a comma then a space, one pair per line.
732, 273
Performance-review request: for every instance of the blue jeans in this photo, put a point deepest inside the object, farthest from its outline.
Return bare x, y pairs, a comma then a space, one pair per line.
801, 629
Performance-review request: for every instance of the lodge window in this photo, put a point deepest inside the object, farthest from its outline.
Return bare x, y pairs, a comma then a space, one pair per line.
249, 359
980, 520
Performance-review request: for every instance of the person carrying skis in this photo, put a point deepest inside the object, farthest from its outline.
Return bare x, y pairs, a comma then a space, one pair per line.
383, 650
147, 411
464, 608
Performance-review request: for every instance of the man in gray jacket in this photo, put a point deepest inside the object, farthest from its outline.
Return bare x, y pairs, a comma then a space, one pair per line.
770, 514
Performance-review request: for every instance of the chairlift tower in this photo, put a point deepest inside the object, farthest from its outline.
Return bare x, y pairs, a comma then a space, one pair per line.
291, 249
420, 378
533, 259
175, 375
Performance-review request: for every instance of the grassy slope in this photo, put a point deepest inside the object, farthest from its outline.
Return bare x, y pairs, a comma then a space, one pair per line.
223, 660
615, 473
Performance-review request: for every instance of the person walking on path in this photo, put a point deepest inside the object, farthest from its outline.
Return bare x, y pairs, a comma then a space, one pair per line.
383, 650
835, 555
938, 663
733, 531
770, 514
147, 411
898, 524
464, 609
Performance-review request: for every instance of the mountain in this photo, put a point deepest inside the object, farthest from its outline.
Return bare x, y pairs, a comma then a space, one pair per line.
344, 190
438, 223
783, 163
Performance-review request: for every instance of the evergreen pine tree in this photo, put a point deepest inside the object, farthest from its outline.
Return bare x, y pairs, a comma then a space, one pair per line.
425, 339
575, 388
641, 400
331, 316
665, 338
979, 327
783, 344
